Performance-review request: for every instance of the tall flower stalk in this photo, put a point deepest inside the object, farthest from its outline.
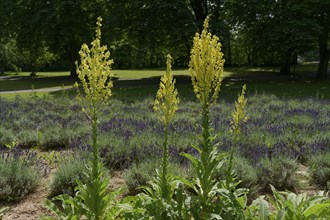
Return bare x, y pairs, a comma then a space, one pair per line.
94, 72
158, 201
92, 201
238, 118
166, 104
206, 70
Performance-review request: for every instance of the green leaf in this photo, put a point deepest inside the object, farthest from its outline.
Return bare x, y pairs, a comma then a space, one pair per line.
316, 209
278, 199
216, 217
191, 158
263, 209
281, 214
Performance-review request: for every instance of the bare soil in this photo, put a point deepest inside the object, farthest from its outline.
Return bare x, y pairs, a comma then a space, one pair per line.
32, 207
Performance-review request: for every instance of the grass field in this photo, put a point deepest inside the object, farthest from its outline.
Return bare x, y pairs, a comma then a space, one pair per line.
133, 84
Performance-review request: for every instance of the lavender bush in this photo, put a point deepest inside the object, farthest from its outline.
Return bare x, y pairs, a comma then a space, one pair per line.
294, 127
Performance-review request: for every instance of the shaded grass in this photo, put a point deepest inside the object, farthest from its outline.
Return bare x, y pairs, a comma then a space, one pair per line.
134, 90
132, 85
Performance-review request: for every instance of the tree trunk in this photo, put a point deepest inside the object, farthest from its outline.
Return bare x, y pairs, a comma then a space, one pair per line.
294, 59
286, 64
285, 68
322, 70
228, 60
2, 68
73, 57
200, 11
324, 52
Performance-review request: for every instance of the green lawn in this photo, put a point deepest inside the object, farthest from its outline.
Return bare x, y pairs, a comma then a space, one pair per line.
134, 84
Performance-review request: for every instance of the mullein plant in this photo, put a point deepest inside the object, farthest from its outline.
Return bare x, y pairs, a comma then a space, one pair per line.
210, 199
92, 201
166, 104
157, 201
239, 117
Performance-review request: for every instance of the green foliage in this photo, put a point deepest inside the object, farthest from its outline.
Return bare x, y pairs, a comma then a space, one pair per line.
162, 199
320, 169
284, 28
211, 199
159, 195
91, 201
8, 55
289, 206
35, 57
140, 174
65, 179
278, 172
2, 211
244, 172
18, 177
50, 157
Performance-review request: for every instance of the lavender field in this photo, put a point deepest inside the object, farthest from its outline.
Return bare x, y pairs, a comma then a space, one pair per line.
294, 127
279, 133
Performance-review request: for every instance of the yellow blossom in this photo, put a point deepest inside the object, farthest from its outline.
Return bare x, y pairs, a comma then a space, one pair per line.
239, 115
94, 70
167, 100
206, 65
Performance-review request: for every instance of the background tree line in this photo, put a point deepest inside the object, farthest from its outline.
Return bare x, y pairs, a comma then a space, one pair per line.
46, 35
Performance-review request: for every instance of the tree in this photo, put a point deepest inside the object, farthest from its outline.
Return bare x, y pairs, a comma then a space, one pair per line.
150, 29
321, 11
58, 26
275, 30
69, 24
8, 53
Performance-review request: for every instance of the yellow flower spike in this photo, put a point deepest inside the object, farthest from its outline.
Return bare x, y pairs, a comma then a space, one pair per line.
94, 70
239, 115
206, 65
167, 100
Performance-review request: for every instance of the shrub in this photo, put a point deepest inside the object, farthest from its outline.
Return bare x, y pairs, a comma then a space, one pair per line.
140, 174
6, 137
66, 176
18, 177
320, 170
278, 172
244, 172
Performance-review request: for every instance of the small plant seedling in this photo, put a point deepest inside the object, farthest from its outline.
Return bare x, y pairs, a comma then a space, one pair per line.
12, 145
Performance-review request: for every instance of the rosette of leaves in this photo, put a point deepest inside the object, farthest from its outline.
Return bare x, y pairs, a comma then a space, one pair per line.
288, 206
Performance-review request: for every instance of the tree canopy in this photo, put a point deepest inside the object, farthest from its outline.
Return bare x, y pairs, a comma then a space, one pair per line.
37, 34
